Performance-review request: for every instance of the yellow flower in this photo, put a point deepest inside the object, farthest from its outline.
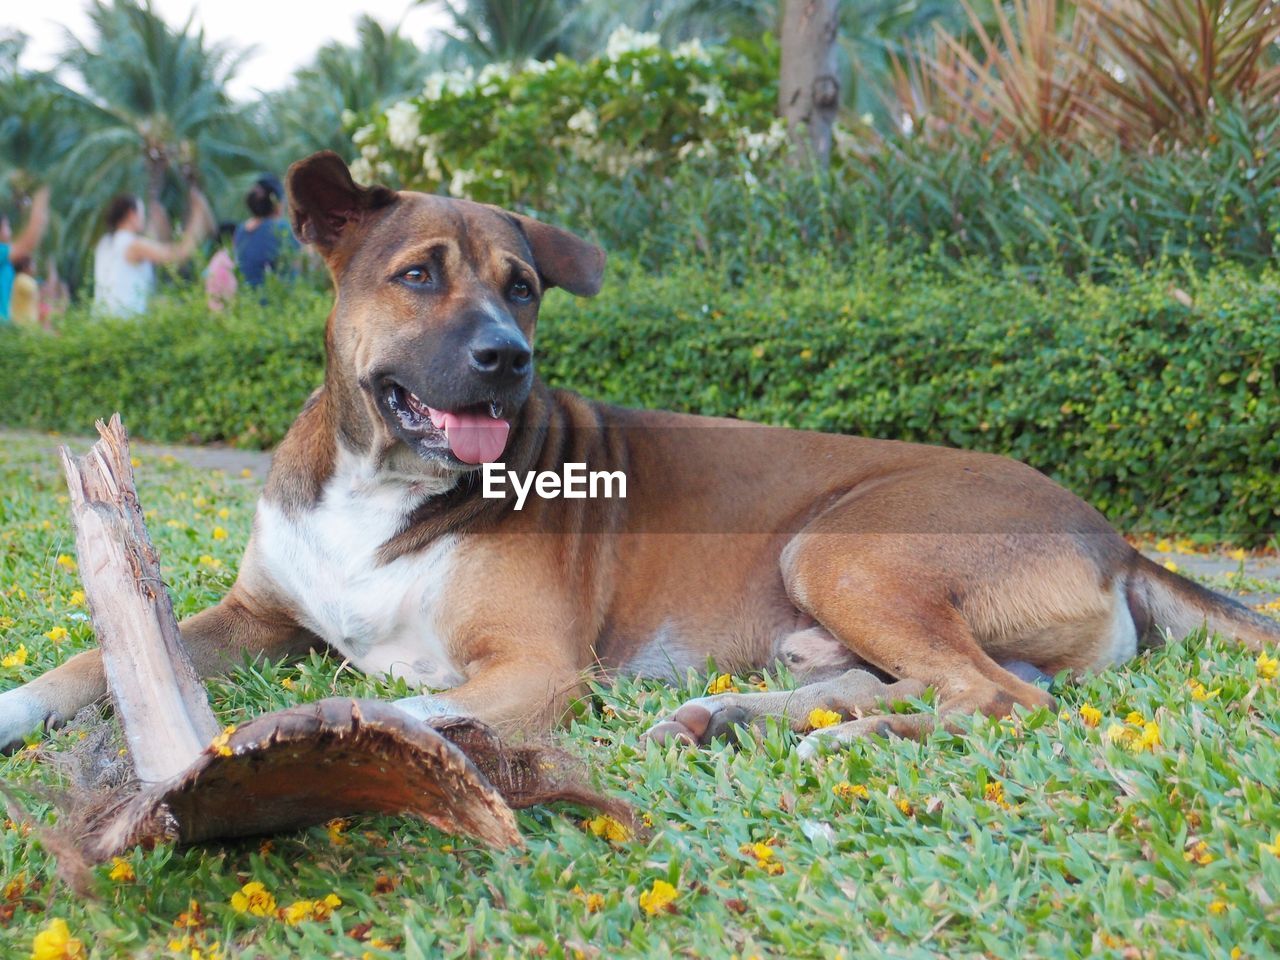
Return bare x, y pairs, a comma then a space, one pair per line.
607, 827
758, 352
253, 898
122, 871
16, 888
1268, 667
1171, 566
1217, 907
848, 791
301, 910
287, 683
595, 902
806, 354
212, 563
77, 598
659, 898
1237, 555
1148, 739
15, 659
761, 851
66, 561
199, 500
1236, 953
246, 473
219, 533
221, 745
192, 917
135, 462
764, 854
993, 793
1271, 848
224, 513
55, 942
1090, 715
819, 718
57, 634
1117, 733
1164, 545
1199, 693
336, 828
905, 806
1199, 853
722, 684
1134, 717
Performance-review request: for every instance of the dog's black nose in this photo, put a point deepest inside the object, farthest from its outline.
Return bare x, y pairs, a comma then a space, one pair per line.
501, 356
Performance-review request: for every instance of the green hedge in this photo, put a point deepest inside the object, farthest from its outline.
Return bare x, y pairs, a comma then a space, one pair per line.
1154, 396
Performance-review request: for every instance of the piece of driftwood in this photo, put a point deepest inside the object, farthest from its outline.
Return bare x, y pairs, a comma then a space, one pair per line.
286, 769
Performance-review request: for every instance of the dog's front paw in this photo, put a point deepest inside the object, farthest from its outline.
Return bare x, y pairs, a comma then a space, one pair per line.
700, 721
21, 713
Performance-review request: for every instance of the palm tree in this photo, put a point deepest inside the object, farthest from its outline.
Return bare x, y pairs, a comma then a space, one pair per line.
156, 111
383, 65
507, 31
37, 123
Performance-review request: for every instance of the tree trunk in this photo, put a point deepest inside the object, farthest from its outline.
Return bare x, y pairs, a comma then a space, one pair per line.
808, 88
157, 217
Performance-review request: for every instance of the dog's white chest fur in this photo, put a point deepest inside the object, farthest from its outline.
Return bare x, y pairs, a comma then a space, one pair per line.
382, 617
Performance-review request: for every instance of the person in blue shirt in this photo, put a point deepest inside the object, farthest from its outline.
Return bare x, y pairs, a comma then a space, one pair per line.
16, 249
264, 243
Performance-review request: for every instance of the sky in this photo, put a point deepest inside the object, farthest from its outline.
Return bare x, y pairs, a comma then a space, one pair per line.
285, 33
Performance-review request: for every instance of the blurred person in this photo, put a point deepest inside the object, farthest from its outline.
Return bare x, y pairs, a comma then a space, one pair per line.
220, 276
24, 301
265, 241
54, 295
13, 249
124, 260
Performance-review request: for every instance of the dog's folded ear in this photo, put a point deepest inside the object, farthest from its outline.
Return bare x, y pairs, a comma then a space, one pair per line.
324, 200
563, 259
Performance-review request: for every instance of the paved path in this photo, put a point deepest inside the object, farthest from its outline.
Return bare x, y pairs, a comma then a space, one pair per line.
234, 462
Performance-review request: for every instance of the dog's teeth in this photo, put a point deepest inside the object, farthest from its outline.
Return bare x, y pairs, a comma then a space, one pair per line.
495, 410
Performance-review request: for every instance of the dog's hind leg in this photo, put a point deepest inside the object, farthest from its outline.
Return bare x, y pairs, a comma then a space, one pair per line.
853, 693
896, 612
217, 638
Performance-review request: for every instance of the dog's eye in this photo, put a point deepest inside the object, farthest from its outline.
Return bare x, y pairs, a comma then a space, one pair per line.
521, 292
417, 277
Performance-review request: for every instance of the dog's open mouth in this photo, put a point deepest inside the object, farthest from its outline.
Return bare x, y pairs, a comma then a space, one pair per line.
473, 434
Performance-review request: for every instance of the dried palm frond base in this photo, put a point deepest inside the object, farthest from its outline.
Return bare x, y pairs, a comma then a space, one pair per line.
185, 783
307, 765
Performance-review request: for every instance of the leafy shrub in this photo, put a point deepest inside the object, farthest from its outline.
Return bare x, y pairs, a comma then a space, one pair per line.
505, 136
1155, 395
660, 150
1083, 214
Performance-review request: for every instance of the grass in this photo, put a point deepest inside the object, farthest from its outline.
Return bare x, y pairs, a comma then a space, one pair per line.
1040, 837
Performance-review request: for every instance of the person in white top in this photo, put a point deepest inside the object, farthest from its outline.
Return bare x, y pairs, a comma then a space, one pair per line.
124, 260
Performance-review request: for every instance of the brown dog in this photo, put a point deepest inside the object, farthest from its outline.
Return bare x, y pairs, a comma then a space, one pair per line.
838, 555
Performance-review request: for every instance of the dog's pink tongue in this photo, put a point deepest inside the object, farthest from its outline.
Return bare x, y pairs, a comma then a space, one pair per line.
473, 437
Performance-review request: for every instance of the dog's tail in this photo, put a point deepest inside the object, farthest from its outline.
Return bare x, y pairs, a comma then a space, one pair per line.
1163, 602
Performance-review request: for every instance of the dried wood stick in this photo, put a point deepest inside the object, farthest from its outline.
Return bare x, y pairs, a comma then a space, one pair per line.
158, 697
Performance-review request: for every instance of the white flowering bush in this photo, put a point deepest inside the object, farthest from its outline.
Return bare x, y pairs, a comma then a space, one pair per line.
515, 137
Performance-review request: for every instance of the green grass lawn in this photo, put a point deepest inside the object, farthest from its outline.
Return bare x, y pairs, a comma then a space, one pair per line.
1042, 837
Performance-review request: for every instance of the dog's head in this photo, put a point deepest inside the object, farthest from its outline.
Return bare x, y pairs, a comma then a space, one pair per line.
436, 305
